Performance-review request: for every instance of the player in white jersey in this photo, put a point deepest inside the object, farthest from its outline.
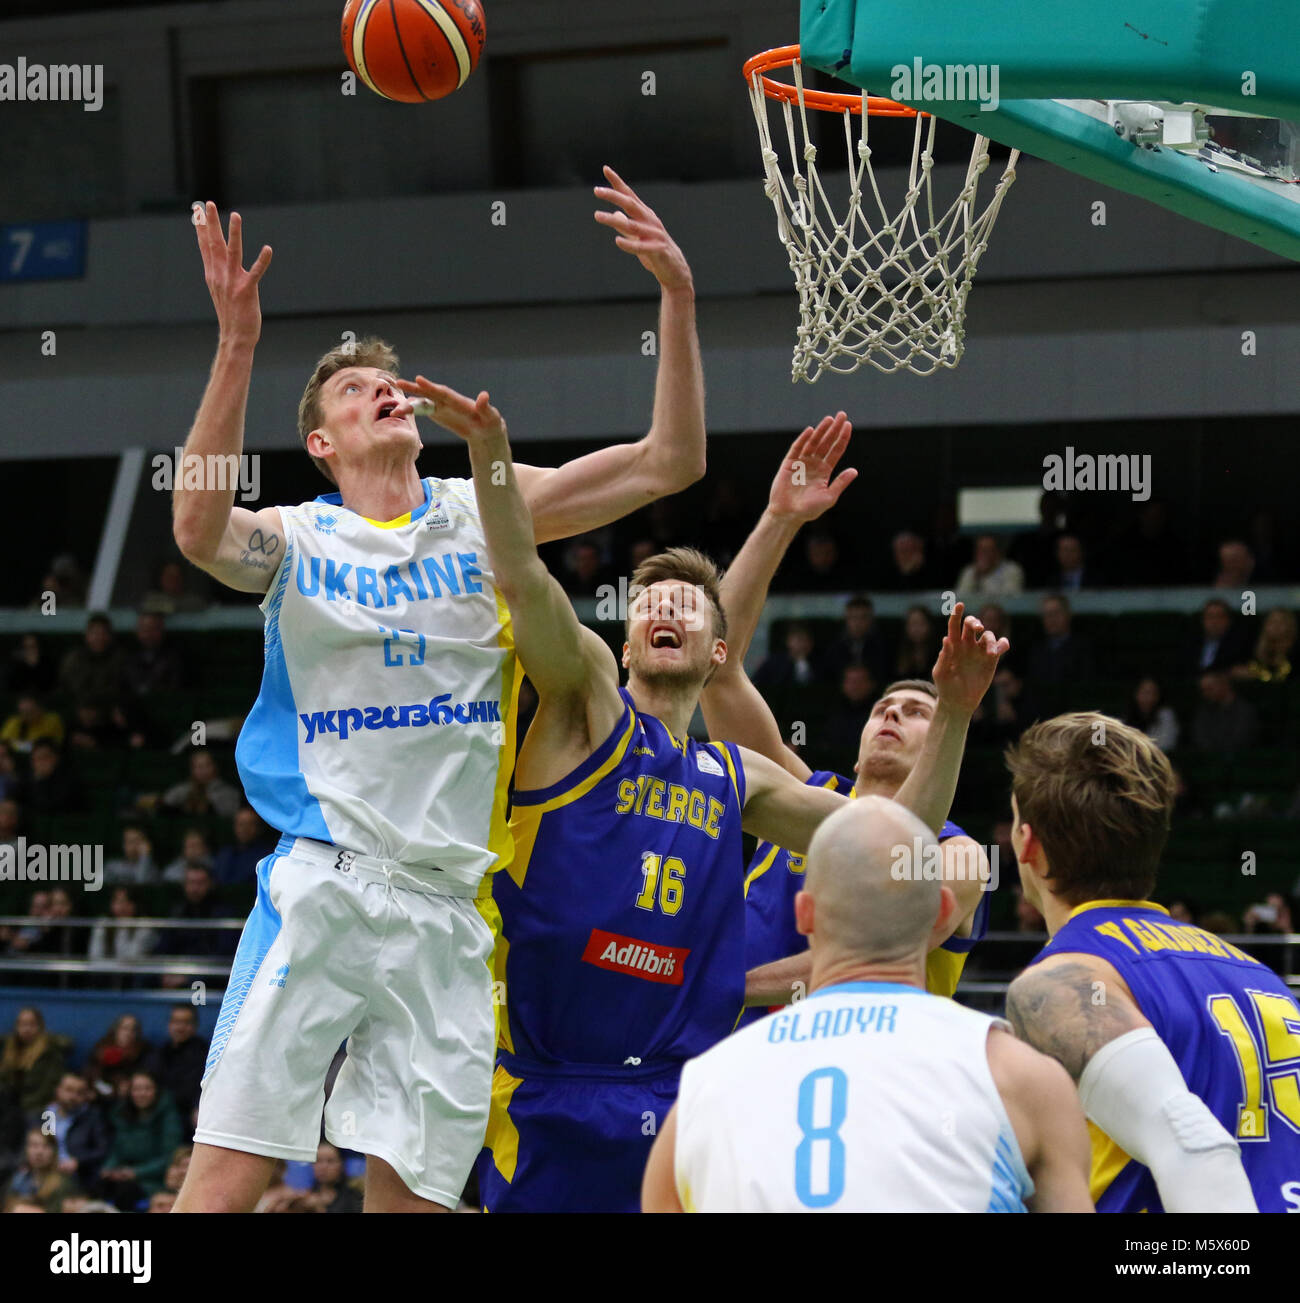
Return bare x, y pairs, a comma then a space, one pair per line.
871, 1095
381, 746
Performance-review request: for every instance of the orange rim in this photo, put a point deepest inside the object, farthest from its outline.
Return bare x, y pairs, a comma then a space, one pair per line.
785, 56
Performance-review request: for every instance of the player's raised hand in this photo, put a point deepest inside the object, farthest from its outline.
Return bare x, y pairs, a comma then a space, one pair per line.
233, 290
967, 661
804, 488
642, 233
469, 418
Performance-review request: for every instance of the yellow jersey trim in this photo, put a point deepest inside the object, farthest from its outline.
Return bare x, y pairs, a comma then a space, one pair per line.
1115, 904
502, 1136
404, 519
581, 789
1108, 1161
762, 867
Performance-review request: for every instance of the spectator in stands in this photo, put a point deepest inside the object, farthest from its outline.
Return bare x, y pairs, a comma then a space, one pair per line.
1236, 566
994, 617
1035, 550
1221, 923
584, 568
1148, 553
152, 665
795, 667
170, 597
849, 714
162, 1202
135, 865
1273, 916
53, 786
330, 1192
30, 670
1224, 724
11, 781
1073, 570
999, 718
1156, 720
21, 939
1274, 550
11, 822
918, 646
146, 1133
31, 722
121, 943
68, 942
32, 1061
177, 1168
93, 671
910, 571
39, 1178
990, 574
860, 642
1060, 661
642, 550
726, 520
1222, 642
98, 726
117, 1054
237, 862
178, 1062
945, 543
208, 943
80, 1130
206, 792
195, 853
1183, 911
1274, 651
13, 1134
824, 569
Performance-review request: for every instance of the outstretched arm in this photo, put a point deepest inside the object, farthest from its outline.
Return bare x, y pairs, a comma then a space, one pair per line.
781, 809
570, 666
963, 672
1077, 1008
239, 547
804, 488
606, 485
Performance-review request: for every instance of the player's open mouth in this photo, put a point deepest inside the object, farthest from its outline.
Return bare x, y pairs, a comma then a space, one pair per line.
662, 636
386, 410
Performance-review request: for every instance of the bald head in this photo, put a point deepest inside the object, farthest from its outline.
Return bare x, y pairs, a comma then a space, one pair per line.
870, 900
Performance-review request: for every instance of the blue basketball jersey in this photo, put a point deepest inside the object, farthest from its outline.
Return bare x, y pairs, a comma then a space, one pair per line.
622, 914
1233, 1028
775, 877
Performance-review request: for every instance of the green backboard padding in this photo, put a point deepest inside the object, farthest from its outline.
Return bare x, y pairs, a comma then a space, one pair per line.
1154, 49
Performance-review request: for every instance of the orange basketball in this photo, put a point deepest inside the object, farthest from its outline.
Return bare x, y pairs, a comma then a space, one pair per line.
413, 50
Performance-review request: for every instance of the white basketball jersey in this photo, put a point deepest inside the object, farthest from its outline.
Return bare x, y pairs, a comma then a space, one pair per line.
386, 718
866, 1097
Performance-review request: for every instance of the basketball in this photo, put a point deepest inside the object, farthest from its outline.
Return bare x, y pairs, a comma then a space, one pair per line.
413, 50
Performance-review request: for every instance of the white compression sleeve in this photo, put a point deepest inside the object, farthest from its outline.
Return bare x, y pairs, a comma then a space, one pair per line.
1132, 1089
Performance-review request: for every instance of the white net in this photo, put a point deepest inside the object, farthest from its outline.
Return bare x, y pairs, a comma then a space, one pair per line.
892, 291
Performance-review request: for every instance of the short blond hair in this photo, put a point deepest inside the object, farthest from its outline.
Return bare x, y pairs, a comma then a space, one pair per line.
688, 566
1099, 795
369, 352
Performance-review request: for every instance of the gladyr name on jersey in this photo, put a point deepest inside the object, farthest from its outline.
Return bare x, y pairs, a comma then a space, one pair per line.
825, 1023
451, 574
438, 710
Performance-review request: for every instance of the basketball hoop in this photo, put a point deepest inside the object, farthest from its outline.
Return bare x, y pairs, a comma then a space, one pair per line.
894, 297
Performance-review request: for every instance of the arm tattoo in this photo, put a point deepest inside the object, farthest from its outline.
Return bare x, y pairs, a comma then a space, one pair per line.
1065, 1012
262, 547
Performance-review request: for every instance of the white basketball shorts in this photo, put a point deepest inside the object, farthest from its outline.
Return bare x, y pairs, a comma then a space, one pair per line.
336, 949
